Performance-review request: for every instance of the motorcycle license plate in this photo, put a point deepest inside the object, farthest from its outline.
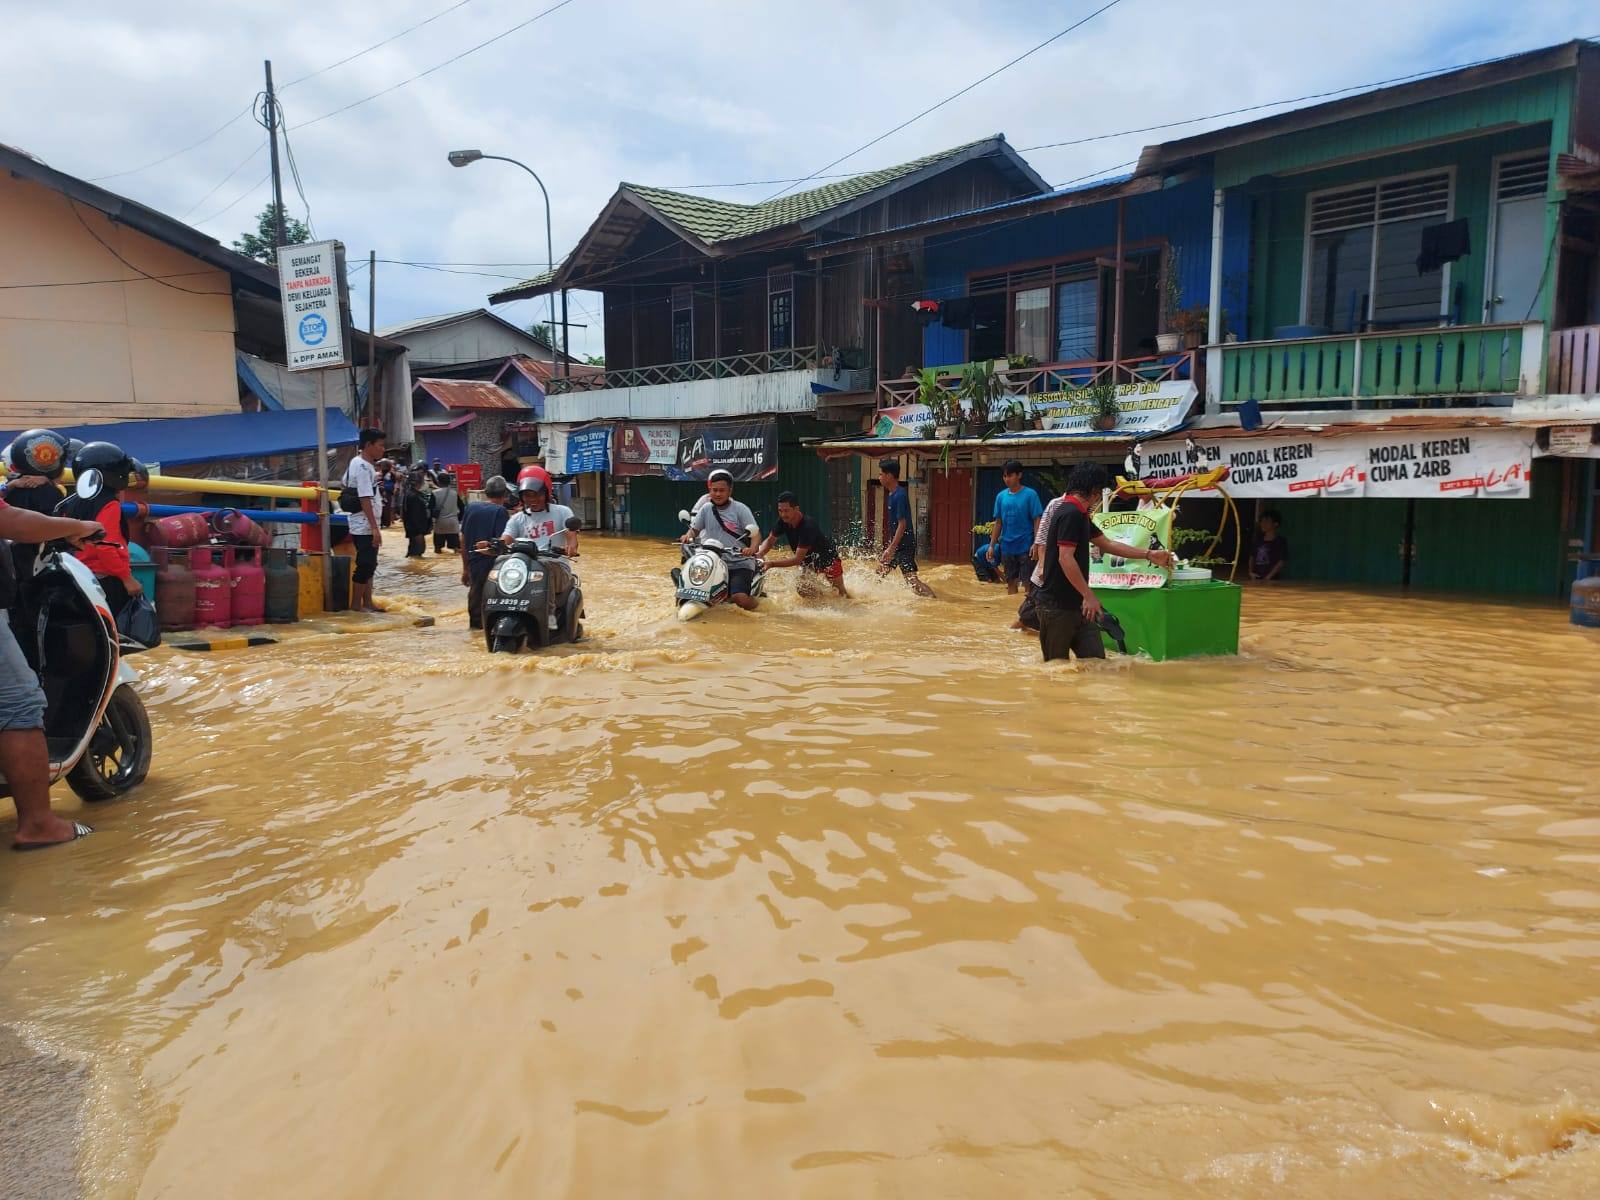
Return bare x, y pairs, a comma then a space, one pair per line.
507, 606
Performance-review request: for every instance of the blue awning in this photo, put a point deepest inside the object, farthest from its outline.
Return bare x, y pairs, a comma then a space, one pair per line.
179, 441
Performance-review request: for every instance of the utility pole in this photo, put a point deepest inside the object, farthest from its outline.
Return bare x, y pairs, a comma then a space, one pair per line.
566, 350
271, 123
372, 337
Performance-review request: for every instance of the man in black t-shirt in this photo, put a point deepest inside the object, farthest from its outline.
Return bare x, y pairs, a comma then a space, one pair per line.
814, 551
1065, 604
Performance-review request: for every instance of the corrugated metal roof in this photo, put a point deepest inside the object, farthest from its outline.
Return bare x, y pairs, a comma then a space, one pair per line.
539, 371
470, 394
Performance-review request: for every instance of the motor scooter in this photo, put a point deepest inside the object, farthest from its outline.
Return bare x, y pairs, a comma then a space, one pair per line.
95, 726
701, 579
532, 597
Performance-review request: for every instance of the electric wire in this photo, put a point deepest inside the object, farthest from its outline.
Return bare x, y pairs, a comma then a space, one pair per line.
953, 96
138, 270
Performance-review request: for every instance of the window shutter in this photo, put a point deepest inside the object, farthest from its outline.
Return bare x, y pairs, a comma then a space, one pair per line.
1522, 177
1419, 196
1344, 210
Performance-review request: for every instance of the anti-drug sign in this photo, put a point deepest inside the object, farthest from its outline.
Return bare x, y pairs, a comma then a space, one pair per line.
1377, 464
313, 327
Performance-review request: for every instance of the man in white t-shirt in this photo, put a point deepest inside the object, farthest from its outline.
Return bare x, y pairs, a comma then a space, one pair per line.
366, 527
540, 520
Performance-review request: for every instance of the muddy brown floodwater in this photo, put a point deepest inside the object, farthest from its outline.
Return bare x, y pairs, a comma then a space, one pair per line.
850, 899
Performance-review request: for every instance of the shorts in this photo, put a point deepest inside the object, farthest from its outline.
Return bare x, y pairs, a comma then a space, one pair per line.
1028, 613
366, 558
833, 572
905, 558
1018, 568
740, 579
21, 697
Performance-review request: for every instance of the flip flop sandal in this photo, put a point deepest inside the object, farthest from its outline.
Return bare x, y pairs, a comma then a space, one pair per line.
79, 829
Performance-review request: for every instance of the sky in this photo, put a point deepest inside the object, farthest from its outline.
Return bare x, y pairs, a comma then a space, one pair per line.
672, 94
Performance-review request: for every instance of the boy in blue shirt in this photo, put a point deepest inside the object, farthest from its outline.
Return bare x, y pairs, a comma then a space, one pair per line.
900, 543
1017, 510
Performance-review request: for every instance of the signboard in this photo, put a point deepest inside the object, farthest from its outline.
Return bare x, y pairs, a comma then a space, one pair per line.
1143, 408
905, 421
1144, 529
1378, 463
468, 476
747, 449
1573, 441
313, 321
640, 449
576, 451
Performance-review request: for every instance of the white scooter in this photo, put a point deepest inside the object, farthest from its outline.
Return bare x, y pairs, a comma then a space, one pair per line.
702, 579
95, 725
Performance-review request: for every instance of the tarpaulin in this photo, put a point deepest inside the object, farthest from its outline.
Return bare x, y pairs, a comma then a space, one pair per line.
746, 449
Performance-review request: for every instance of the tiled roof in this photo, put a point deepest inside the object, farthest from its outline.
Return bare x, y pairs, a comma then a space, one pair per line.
723, 220
470, 395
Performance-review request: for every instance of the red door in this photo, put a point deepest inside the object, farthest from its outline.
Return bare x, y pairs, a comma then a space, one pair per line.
952, 515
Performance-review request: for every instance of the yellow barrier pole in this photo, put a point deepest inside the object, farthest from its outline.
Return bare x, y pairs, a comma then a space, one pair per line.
222, 487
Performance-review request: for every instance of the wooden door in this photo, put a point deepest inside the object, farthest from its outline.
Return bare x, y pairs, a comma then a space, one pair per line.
951, 518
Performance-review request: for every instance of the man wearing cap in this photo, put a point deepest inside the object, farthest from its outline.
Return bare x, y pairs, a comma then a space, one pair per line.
540, 520
727, 522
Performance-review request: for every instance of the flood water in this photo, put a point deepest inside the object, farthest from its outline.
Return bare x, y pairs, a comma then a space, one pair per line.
840, 899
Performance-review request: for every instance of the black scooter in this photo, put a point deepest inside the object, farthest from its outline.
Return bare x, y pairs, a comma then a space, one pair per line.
532, 598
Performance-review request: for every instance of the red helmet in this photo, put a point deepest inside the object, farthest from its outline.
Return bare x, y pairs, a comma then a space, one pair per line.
534, 479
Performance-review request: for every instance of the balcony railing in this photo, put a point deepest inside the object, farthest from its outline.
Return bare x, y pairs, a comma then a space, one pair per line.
1574, 362
1055, 377
757, 362
1348, 370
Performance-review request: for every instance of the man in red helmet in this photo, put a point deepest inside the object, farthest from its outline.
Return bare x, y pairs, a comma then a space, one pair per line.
540, 520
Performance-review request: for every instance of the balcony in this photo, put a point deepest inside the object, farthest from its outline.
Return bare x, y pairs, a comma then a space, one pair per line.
1574, 362
1055, 377
1417, 368
762, 382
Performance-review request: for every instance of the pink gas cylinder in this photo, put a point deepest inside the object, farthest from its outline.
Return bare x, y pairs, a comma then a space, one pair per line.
185, 529
234, 525
174, 591
213, 588
249, 586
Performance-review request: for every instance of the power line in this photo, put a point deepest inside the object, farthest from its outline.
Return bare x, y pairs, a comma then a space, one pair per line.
954, 95
244, 162
112, 250
235, 201
98, 282
440, 66
228, 124
394, 37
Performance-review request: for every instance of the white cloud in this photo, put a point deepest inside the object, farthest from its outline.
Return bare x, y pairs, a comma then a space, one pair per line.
668, 93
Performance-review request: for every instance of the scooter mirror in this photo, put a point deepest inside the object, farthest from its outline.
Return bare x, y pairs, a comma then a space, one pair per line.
574, 523
683, 515
89, 484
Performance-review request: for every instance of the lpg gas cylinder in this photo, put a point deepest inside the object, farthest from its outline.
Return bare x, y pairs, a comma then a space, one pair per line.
185, 529
213, 589
174, 591
283, 587
235, 526
249, 586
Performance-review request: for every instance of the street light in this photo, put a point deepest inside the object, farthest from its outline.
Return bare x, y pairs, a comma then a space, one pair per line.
465, 158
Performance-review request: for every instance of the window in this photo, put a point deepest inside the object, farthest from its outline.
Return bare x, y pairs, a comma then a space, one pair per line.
780, 309
1078, 320
682, 322
1031, 323
1362, 251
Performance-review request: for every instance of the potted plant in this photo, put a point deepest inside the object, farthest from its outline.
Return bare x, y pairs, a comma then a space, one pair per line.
1194, 323
940, 401
1171, 340
1103, 399
983, 389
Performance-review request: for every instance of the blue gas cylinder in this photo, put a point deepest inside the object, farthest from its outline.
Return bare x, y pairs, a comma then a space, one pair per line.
1586, 602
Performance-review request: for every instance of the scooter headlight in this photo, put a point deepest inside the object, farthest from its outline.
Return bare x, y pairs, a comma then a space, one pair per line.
513, 576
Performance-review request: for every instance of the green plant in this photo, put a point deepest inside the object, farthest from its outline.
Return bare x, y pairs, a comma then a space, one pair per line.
984, 390
1172, 289
1103, 397
940, 400
1193, 322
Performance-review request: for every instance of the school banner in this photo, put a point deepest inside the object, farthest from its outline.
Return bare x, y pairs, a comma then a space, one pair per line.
1378, 463
904, 421
638, 448
1142, 408
746, 449
1143, 529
